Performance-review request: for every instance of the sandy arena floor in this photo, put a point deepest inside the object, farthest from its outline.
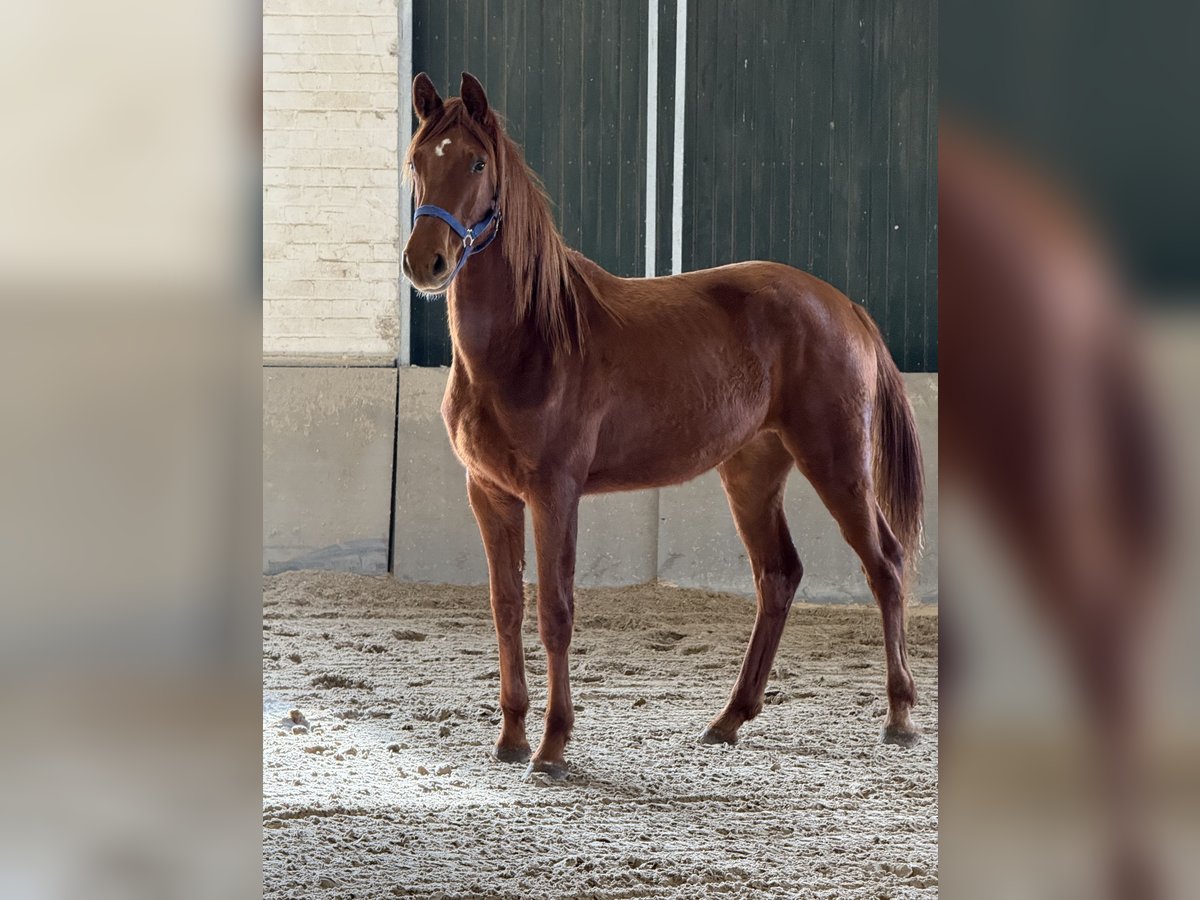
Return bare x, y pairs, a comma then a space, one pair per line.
390, 791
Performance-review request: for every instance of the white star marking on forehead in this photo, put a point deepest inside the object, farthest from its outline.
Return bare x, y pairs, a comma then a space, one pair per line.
440, 149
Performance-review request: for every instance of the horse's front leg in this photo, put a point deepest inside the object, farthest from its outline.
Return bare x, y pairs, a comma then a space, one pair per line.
501, 519
555, 517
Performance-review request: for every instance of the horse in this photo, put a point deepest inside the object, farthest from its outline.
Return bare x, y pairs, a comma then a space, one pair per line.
567, 380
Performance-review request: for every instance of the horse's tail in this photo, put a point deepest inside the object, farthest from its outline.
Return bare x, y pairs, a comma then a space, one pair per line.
898, 469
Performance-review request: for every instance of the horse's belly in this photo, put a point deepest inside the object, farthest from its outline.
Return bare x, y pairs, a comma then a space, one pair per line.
672, 449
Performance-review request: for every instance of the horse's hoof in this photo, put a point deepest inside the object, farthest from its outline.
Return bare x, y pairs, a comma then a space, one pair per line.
510, 754
900, 735
543, 770
712, 735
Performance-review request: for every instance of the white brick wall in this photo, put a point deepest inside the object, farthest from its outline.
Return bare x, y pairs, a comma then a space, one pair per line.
330, 177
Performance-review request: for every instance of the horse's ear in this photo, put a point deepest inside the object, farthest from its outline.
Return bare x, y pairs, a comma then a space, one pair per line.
426, 101
473, 97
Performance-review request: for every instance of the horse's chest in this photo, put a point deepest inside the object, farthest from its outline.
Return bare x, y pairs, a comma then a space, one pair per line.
488, 442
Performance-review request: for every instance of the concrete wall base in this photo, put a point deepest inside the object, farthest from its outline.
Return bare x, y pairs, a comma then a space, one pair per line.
683, 535
327, 468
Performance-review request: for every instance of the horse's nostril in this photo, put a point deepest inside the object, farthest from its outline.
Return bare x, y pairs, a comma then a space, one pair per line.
439, 264
404, 265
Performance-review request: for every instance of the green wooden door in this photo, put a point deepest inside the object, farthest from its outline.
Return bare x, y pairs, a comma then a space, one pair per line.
810, 137
569, 78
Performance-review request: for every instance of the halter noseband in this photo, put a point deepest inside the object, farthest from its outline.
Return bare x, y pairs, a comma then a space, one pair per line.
469, 235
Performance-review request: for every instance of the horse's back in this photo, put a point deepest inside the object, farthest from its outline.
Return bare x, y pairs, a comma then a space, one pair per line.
698, 364
789, 324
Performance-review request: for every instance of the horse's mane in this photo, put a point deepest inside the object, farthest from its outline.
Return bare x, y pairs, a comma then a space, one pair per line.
553, 284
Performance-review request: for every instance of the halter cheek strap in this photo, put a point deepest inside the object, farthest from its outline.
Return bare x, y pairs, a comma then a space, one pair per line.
470, 236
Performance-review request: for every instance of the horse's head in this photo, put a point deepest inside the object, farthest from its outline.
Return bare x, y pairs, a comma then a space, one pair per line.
453, 170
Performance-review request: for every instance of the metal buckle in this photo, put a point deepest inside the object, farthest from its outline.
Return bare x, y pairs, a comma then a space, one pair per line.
469, 239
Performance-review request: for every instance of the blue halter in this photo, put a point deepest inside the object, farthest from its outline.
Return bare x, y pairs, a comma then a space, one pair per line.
469, 235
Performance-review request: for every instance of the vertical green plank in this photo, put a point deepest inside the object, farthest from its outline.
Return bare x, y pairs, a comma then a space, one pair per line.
454, 16
619, 222
631, 231
878, 152
820, 115
514, 66
766, 122
916, 218
858, 47
759, 117
591, 134
666, 133
418, 348
641, 147
429, 334
802, 177
574, 125
707, 126
532, 135
697, 151
778, 136
570, 123
548, 108
433, 44
723, 28
744, 82
898, 196
930, 256
839, 160
605, 113
474, 44
493, 61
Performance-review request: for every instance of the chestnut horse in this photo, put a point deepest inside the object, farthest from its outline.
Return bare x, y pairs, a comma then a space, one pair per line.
567, 381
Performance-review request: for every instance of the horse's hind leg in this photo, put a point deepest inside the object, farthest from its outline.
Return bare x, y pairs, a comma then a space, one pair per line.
754, 480
843, 480
887, 584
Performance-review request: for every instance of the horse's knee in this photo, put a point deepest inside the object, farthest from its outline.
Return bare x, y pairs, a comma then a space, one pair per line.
555, 639
554, 628
508, 611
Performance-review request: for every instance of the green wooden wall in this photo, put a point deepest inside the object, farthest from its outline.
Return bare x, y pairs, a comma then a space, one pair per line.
570, 80
810, 137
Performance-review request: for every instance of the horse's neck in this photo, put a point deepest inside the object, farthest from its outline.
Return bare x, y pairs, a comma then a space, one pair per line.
488, 339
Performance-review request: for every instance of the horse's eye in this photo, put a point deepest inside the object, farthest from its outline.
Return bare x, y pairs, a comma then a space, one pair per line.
478, 166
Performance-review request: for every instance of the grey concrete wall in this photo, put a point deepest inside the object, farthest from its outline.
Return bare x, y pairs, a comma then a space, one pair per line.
327, 467
435, 535
698, 545
683, 534
436, 538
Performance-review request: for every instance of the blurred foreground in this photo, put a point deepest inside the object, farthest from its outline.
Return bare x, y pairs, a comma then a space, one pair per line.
1070, 350
129, 397
1070, 702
